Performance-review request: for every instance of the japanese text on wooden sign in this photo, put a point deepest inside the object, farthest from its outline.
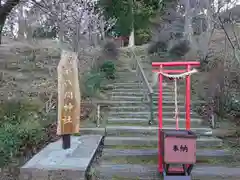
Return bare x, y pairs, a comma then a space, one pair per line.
68, 94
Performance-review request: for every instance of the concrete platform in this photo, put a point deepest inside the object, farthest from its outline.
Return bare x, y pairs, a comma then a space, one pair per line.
54, 163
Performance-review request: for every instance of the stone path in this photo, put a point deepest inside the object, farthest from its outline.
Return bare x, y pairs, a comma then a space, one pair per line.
130, 144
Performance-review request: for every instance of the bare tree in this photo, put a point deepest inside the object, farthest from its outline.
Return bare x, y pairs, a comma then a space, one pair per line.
76, 21
218, 46
5, 9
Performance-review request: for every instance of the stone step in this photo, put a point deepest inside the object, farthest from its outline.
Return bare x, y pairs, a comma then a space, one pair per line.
126, 74
138, 89
124, 68
155, 103
113, 130
201, 154
168, 84
127, 98
122, 90
120, 78
92, 130
125, 103
180, 102
195, 122
140, 98
142, 107
148, 130
202, 142
145, 114
137, 85
137, 94
127, 80
109, 170
128, 85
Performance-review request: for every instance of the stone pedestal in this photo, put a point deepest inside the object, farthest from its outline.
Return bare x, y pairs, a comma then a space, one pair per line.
54, 163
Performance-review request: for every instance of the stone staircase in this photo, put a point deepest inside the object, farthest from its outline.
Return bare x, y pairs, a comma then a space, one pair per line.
130, 144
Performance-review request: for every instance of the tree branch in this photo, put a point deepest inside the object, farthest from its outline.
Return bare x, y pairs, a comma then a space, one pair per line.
233, 29
42, 7
225, 31
7, 7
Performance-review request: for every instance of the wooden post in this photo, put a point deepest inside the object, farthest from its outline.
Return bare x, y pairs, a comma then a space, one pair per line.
68, 98
66, 141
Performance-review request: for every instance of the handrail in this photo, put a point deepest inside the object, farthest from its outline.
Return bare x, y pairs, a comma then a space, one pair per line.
143, 79
100, 104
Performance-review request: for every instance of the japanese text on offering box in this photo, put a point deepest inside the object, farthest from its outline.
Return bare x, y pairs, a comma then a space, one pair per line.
68, 94
182, 148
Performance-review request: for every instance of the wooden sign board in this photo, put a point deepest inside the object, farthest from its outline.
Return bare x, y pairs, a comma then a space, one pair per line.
68, 94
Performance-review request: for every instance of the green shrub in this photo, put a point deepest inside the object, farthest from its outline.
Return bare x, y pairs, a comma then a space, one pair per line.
142, 36
20, 129
110, 50
109, 69
180, 48
157, 47
91, 83
15, 111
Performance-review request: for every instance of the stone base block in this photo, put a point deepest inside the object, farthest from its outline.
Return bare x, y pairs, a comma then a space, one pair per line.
55, 163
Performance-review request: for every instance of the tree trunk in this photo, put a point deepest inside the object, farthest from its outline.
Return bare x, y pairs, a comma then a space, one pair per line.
131, 42
2, 22
5, 9
0, 35
21, 24
131, 39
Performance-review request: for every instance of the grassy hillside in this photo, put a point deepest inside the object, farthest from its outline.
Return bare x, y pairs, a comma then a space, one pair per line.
28, 98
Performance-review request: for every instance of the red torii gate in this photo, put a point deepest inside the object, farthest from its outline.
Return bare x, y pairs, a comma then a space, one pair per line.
160, 65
